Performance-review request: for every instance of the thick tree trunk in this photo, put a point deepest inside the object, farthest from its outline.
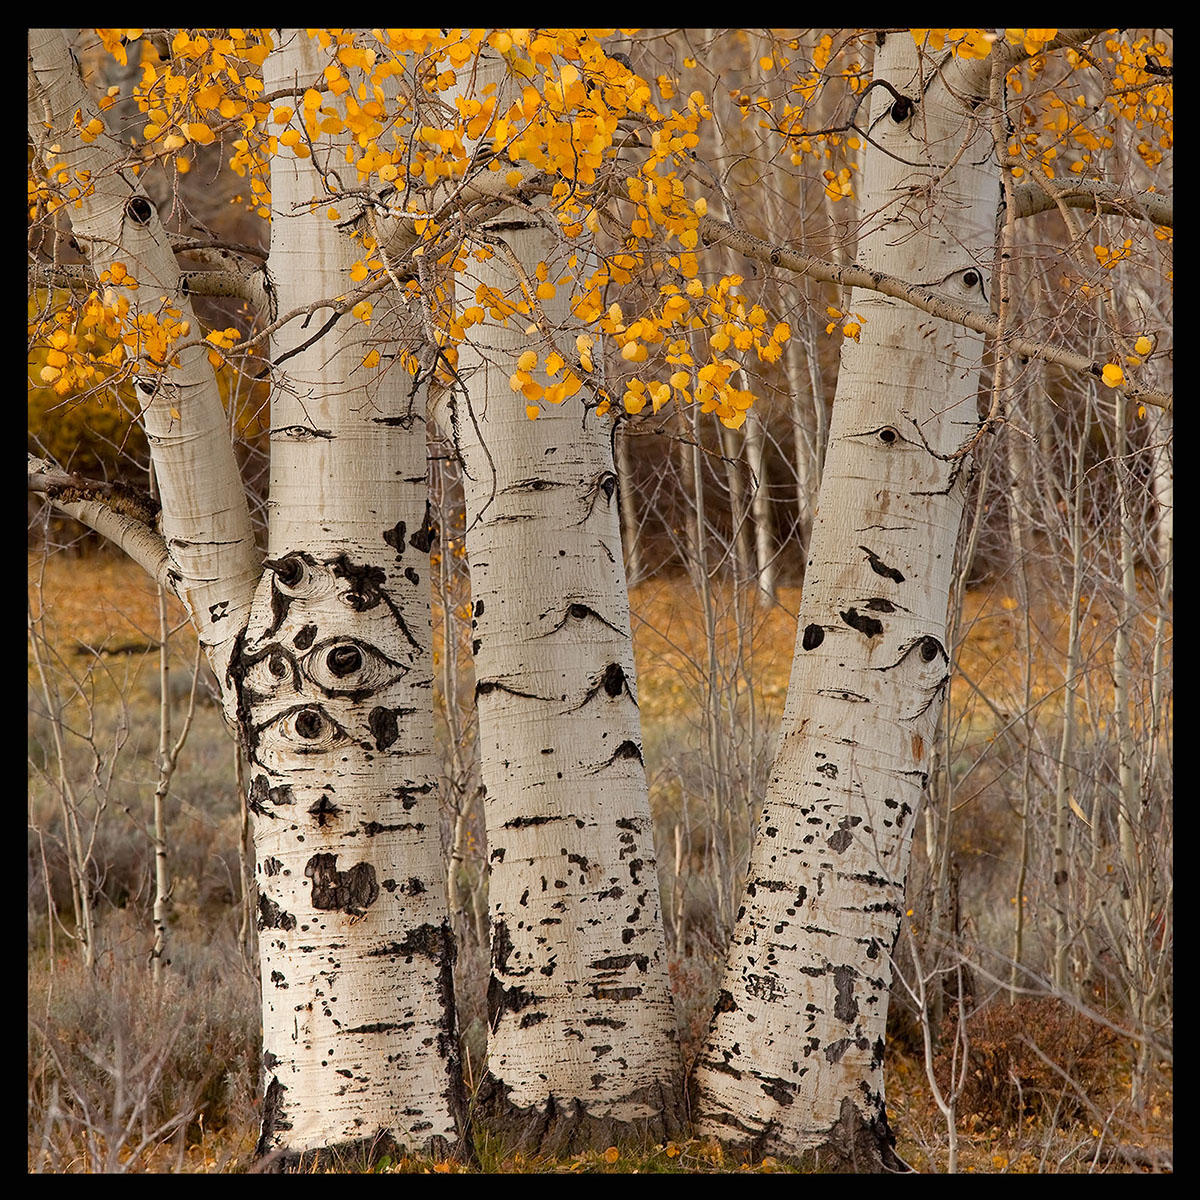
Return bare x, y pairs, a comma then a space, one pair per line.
335, 679
794, 1058
582, 1047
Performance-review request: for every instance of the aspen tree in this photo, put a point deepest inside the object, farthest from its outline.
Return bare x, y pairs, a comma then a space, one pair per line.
322, 651
582, 1047
794, 1060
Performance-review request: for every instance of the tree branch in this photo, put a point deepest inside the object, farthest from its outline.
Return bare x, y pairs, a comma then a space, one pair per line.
123, 515
721, 233
1033, 198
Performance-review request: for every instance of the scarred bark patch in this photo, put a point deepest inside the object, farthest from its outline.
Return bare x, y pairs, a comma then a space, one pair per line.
352, 891
271, 916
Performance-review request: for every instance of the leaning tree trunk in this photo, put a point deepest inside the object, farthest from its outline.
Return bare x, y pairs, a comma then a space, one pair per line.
582, 1047
793, 1062
213, 561
335, 678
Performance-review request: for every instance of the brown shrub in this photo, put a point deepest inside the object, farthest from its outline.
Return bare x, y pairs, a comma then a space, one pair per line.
1008, 1074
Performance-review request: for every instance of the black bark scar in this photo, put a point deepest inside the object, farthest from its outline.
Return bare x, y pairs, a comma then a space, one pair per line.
427, 534
864, 624
352, 891
579, 612
880, 567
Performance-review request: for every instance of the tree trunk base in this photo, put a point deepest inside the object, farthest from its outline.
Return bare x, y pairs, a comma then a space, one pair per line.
853, 1146
356, 1157
564, 1127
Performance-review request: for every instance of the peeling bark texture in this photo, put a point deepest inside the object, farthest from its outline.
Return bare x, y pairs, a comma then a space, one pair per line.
334, 679
582, 1046
793, 1065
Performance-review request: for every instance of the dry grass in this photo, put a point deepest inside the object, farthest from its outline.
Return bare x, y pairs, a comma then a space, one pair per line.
103, 602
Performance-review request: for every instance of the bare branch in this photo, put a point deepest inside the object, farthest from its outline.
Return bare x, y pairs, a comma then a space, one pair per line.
121, 514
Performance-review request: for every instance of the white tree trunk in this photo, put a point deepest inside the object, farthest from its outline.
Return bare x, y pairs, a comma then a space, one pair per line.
335, 679
794, 1057
582, 1044
214, 563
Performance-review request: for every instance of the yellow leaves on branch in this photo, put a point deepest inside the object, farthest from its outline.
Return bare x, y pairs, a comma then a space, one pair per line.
102, 340
400, 107
1109, 258
851, 323
966, 43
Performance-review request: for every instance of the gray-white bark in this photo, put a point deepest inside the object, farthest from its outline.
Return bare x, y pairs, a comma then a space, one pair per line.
335, 680
582, 1046
794, 1057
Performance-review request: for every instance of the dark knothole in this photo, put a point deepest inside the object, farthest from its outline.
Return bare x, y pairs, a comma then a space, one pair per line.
309, 723
970, 278
888, 435
902, 109
288, 570
139, 210
344, 660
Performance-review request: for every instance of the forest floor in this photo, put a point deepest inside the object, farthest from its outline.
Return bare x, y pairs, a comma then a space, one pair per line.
1083, 1123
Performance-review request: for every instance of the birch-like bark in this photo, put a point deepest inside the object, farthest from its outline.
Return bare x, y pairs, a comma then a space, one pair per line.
582, 1046
794, 1057
335, 679
205, 517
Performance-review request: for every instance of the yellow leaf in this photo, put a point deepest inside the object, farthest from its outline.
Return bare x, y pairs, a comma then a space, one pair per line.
1078, 811
611, 1154
1112, 375
531, 411
1143, 345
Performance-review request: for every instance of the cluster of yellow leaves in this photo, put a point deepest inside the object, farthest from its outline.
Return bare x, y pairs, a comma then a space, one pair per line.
60, 184
81, 344
381, 102
851, 323
966, 43
787, 114
209, 87
1108, 258
1072, 128
558, 114
103, 339
554, 393
88, 343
